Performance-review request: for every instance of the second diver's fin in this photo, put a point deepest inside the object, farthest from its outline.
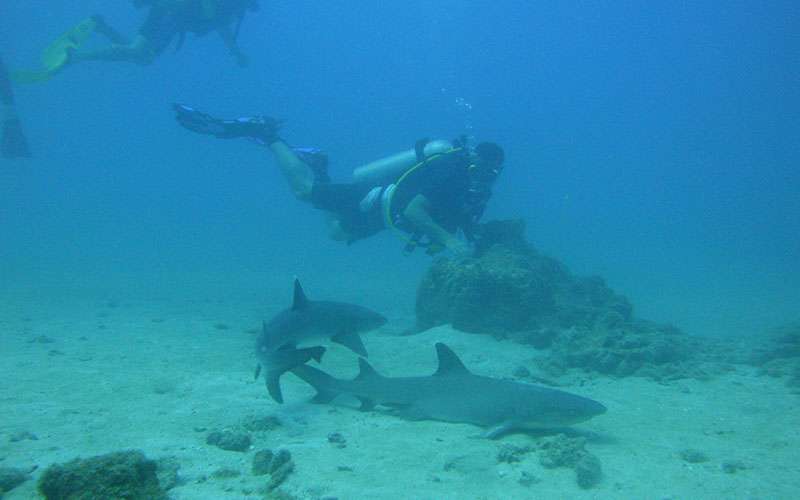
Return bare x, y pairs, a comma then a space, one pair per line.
56, 55
14, 144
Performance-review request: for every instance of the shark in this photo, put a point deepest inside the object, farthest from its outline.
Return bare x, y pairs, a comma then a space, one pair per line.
454, 394
284, 340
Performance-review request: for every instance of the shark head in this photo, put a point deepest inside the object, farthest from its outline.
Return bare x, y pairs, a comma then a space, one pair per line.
562, 409
365, 320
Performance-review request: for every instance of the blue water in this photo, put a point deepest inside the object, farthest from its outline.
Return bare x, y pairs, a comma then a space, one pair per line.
654, 144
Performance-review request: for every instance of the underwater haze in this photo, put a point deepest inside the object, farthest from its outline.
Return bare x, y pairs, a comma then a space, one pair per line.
654, 144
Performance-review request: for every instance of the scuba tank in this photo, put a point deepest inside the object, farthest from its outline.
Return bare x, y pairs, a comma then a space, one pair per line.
390, 168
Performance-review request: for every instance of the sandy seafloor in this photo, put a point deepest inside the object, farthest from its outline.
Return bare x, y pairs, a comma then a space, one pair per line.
157, 375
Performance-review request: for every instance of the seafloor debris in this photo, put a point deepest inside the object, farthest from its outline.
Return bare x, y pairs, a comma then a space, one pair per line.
588, 471
261, 462
509, 453
229, 440
266, 423
527, 479
337, 440
563, 451
123, 474
693, 456
280, 459
277, 464
22, 436
282, 465
733, 466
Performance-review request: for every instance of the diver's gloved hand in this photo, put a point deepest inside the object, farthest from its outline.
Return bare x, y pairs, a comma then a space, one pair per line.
261, 128
457, 248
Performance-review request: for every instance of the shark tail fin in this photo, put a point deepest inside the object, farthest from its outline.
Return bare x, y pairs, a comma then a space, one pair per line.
299, 358
320, 381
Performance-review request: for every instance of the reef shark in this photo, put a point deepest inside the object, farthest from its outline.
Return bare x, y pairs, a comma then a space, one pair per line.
454, 394
278, 348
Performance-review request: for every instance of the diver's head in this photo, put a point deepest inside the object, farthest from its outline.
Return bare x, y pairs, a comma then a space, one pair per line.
487, 161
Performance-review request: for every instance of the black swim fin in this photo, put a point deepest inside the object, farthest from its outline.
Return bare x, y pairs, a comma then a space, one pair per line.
14, 144
260, 128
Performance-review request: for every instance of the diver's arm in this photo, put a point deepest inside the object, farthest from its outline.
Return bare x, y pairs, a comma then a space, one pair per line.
13, 143
228, 37
417, 214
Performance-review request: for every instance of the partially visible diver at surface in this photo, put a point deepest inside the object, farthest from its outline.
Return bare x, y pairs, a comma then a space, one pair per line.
166, 21
14, 144
428, 194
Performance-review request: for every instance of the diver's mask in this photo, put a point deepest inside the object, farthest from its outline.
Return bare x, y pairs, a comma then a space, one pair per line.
482, 172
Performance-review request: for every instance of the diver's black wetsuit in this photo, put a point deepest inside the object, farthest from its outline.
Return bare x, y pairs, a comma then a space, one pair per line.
456, 199
166, 20
443, 180
13, 143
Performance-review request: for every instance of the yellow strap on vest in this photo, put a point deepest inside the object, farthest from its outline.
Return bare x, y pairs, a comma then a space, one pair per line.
387, 210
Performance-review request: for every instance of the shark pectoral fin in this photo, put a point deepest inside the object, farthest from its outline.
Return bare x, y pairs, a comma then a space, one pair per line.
500, 430
274, 385
366, 404
352, 341
258, 371
315, 353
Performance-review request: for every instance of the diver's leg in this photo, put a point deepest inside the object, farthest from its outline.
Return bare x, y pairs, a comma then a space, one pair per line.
296, 172
335, 230
300, 177
137, 52
13, 143
105, 29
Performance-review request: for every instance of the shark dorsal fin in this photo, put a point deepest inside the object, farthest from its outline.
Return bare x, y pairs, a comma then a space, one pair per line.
448, 361
299, 301
365, 370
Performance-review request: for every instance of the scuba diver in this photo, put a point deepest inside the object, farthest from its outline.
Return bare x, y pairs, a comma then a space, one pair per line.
14, 144
166, 21
427, 194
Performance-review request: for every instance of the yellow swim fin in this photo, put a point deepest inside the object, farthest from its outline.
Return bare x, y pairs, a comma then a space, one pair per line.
56, 55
